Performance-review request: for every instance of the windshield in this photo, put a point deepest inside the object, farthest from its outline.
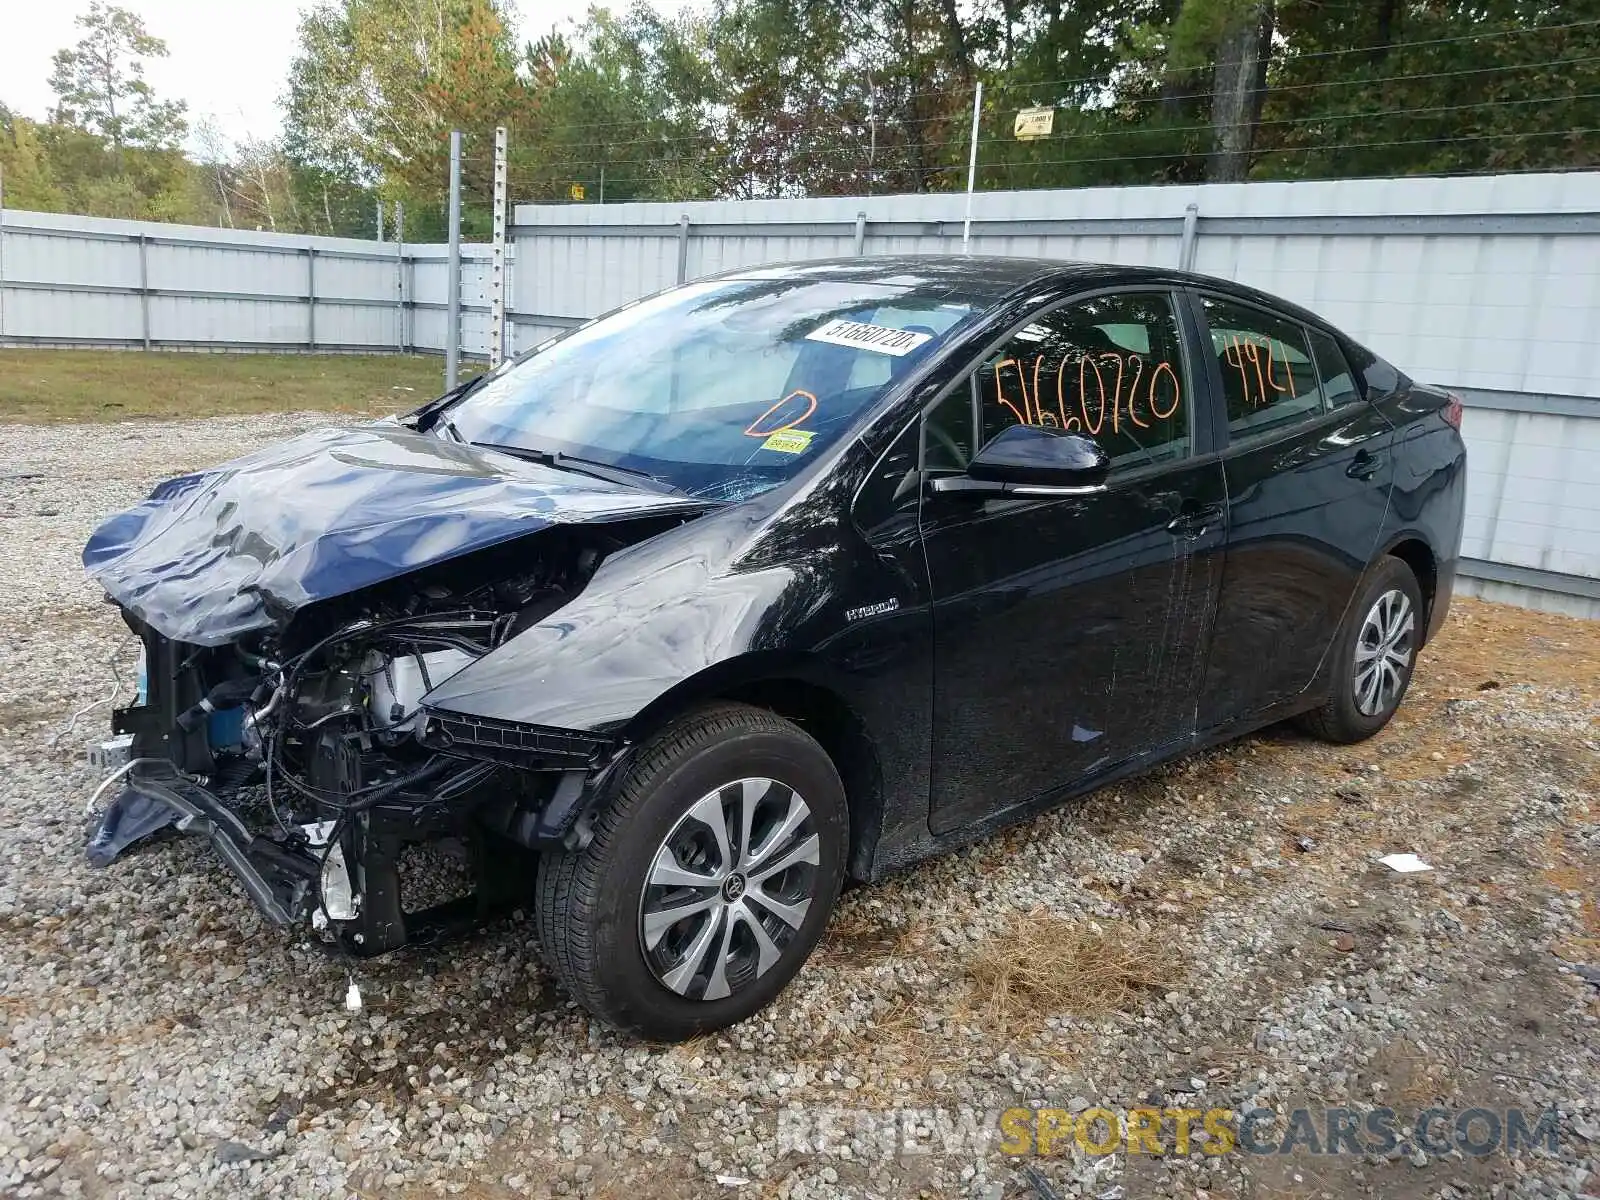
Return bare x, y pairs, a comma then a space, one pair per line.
721, 389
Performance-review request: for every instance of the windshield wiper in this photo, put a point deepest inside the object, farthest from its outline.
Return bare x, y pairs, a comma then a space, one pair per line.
436, 413
627, 476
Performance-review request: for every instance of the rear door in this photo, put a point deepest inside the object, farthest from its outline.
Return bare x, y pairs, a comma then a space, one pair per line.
1309, 468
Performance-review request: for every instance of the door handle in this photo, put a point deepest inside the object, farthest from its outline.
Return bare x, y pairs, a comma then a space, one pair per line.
1194, 521
1365, 466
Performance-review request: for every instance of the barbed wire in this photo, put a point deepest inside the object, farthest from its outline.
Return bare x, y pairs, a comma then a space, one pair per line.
1291, 56
1342, 146
558, 165
1288, 58
891, 121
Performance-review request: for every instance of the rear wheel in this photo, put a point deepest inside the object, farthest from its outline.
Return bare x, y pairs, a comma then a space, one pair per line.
709, 879
1375, 655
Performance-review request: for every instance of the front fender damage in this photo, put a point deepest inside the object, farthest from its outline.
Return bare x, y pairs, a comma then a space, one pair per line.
581, 684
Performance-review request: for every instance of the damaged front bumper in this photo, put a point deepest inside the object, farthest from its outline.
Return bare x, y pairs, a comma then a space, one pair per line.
342, 877
282, 880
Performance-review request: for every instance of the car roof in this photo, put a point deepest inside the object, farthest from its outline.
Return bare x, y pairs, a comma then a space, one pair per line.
981, 276
992, 277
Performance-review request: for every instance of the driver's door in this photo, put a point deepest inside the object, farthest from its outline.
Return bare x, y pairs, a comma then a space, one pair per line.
1070, 630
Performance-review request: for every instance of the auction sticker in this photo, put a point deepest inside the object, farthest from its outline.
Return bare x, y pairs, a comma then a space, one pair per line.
862, 336
788, 441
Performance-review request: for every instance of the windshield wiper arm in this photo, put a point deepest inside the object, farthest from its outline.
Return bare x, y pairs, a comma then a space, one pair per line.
627, 476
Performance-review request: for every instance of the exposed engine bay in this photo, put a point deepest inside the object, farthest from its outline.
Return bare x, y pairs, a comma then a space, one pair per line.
307, 756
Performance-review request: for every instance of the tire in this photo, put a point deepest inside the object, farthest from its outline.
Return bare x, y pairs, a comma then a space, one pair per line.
1387, 613
608, 914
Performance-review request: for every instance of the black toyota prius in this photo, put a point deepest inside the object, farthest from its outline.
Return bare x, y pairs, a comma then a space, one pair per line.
791, 575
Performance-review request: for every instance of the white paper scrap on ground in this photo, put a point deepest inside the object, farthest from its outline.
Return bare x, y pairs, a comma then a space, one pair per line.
1406, 864
352, 998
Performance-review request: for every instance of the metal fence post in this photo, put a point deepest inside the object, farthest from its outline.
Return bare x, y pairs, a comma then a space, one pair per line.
452, 333
400, 274
683, 248
972, 169
861, 234
311, 297
1191, 231
2, 253
144, 290
497, 255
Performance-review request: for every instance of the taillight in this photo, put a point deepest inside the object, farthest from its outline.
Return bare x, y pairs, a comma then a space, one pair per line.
1452, 410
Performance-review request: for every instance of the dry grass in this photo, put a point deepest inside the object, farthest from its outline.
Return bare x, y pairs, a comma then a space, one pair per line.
114, 385
1044, 965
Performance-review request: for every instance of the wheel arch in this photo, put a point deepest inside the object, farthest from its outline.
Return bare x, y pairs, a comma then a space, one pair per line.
1412, 549
794, 687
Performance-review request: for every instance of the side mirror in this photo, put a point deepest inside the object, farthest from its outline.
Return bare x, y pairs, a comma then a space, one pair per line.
1033, 459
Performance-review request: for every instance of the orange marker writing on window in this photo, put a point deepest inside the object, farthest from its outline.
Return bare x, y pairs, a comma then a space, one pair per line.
1233, 354
1091, 427
1133, 392
1116, 392
1282, 356
1177, 391
754, 429
1000, 390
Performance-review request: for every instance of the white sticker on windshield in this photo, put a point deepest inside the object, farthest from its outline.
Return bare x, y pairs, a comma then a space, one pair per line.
862, 336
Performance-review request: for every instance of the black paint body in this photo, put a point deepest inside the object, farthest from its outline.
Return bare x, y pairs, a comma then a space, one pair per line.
967, 656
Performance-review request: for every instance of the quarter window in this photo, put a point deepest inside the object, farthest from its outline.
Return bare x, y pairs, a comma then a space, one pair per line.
947, 433
1110, 368
1338, 384
1268, 379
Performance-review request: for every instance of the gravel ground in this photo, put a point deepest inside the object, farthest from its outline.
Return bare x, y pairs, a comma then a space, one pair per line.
1215, 934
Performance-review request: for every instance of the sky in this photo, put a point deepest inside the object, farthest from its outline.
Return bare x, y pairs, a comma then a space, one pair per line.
228, 58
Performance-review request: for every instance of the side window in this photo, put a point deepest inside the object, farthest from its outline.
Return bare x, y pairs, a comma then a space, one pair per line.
1338, 384
1268, 379
1110, 368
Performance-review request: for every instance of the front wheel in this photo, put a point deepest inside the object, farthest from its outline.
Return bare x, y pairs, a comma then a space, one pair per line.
709, 879
1376, 654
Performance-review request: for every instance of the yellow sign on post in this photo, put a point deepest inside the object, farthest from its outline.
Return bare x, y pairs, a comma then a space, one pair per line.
1034, 123
576, 191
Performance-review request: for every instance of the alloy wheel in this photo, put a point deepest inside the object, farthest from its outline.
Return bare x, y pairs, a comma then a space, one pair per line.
1383, 653
729, 888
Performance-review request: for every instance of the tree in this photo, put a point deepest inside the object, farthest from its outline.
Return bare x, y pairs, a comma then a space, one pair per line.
261, 187
1234, 39
100, 85
620, 111
213, 159
377, 85
1389, 88
25, 163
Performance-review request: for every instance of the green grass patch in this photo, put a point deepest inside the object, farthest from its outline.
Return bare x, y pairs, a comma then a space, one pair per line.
116, 385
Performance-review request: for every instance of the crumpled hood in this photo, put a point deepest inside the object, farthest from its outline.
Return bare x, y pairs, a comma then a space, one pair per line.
216, 554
